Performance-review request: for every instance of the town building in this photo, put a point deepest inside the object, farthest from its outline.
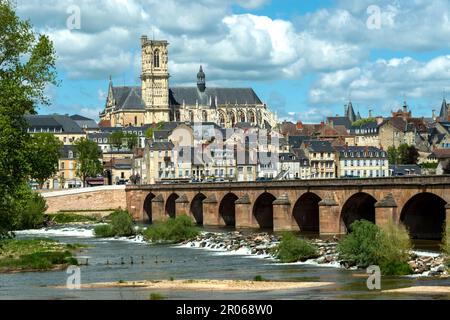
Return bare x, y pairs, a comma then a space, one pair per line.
361, 162
321, 158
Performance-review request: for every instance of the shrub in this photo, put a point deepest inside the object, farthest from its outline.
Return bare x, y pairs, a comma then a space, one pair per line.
367, 244
121, 226
173, 230
104, 231
157, 296
446, 240
292, 249
258, 278
362, 246
71, 217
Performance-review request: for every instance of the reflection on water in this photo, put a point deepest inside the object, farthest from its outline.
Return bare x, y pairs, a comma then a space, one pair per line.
165, 262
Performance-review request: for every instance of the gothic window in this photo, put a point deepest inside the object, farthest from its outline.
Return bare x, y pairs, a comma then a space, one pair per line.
191, 116
251, 117
156, 59
221, 119
135, 121
205, 116
242, 116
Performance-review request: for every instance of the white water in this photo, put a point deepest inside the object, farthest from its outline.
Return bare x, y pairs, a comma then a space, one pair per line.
63, 232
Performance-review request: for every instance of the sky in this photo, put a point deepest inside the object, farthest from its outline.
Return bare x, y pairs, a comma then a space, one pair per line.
305, 59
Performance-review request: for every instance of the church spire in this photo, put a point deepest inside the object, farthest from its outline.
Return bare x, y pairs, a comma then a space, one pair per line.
350, 114
201, 80
443, 115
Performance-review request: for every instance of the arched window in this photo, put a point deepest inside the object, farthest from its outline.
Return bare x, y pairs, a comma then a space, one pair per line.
222, 119
191, 116
156, 59
205, 116
242, 116
135, 121
251, 117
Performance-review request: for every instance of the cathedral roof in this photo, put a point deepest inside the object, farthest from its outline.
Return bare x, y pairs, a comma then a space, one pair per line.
191, 95
128, 98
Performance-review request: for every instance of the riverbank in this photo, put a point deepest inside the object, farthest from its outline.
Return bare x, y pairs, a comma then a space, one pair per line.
424, 264
210, 285
35, 255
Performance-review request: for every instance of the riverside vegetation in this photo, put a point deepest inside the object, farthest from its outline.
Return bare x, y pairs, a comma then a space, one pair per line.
35, 255
121, 225
172, 231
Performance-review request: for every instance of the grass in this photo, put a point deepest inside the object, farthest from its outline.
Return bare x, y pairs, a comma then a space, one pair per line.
446, 244
63, 218
259, 278
173, 230
157, 296
293, 249
36, 254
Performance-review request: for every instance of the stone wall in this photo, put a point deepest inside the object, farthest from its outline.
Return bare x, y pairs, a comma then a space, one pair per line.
98, 198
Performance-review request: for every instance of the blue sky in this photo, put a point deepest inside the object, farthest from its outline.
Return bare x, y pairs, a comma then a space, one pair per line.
303, 58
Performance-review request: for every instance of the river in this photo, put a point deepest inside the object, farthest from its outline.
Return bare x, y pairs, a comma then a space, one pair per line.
165, 262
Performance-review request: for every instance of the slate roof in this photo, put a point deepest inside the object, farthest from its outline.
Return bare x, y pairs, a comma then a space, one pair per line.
340, 121
130, 97
318, 146
64, 151
160, 146
354, 152
405, 169
58, 122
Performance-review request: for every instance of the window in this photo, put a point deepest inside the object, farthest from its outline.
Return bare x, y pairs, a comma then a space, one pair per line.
135, 121
156, 59
70, 154
62, 165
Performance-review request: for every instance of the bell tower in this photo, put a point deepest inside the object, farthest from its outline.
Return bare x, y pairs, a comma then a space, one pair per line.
155, 80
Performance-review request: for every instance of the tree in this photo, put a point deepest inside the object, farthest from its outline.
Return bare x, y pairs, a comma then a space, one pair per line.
27, 67
44, 156
116, 139
88, 155
361, 122
131, 140
149, 133
392, 155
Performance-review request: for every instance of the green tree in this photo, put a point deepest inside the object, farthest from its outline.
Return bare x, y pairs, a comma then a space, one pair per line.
392, 155
131, 140
27, 67
116, 139
361, 122
45, 151
88, 155
149, 133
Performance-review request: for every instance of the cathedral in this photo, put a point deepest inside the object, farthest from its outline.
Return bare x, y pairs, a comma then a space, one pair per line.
154, 101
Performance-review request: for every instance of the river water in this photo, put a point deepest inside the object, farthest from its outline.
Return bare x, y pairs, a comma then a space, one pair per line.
165, 262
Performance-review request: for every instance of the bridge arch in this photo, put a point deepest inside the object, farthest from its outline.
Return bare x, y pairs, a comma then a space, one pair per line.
424, 216
197, 208
263, 210
148, 208
170, 207
306, 212
360, 206
227, 209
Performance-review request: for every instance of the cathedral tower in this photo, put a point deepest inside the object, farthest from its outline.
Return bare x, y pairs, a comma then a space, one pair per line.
155, 80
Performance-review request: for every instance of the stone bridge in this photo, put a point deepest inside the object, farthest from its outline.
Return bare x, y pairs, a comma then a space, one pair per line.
324, 206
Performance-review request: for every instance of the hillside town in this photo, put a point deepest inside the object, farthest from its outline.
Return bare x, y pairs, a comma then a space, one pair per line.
156, 133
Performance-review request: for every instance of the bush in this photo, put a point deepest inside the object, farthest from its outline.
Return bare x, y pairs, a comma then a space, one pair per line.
362, 246
173, 230
71, 217
121, 226
157, 296
104, 231
367, 244
446, 240
292, 249
33, 212
259, 278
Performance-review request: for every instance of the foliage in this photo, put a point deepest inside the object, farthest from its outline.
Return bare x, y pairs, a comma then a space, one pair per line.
293, 249
367, 244
70, 218
173, 230
157, 296
404, 154
88, 163
132, 140
36, 254
116, 139
361, 122
121, 226
446, 240
32, 211
429, 165
44, 156
258, 278
27, 66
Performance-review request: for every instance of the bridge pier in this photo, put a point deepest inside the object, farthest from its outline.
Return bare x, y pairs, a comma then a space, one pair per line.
329, 217
158, 210
211, 216
283, 220
182, 207
244, 213
386, 211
